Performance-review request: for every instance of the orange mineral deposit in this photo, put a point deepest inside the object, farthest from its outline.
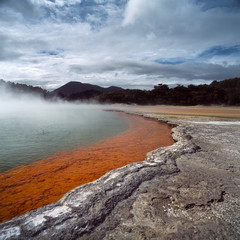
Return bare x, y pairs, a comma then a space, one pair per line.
28, 187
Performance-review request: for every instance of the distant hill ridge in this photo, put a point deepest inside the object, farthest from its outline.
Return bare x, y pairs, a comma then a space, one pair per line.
17, 89
77, 87
226, 92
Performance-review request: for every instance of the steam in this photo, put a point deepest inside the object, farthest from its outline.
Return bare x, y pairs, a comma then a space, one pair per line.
34, 106
32, 128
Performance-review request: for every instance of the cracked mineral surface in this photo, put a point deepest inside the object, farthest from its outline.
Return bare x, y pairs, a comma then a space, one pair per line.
189, 190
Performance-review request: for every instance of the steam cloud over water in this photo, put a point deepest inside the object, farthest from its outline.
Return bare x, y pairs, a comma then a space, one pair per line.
32, 128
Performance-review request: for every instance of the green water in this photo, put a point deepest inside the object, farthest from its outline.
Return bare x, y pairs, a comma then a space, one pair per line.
32, 131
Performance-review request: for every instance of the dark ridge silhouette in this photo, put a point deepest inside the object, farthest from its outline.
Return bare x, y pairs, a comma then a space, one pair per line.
84, 96
73, 88
16, 89
226, 92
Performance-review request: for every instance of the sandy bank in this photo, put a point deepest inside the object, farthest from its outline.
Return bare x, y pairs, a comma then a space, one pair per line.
201, 113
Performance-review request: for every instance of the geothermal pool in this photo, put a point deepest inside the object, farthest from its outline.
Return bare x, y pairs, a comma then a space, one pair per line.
53, 149
33, 131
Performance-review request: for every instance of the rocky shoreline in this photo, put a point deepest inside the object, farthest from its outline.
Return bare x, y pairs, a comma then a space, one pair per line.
189, 190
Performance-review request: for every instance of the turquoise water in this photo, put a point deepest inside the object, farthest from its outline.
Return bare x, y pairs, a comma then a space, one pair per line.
32, 131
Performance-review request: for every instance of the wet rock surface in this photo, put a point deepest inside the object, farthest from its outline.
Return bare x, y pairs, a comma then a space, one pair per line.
189, 190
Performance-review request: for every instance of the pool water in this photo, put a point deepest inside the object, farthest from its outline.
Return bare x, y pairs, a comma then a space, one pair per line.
30, 131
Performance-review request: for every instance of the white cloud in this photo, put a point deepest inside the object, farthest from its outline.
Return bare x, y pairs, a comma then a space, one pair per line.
59, 3
180, 23
107, 43
133, 11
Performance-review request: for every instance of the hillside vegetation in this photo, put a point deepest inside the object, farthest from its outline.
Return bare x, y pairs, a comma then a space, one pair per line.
226, 92
17, 89
73, 91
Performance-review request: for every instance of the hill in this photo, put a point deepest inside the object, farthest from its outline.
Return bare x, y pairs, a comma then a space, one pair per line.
226, 92
80, 91
17, 89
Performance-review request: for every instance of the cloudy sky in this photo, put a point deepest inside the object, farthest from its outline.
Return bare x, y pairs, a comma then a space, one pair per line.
128, 43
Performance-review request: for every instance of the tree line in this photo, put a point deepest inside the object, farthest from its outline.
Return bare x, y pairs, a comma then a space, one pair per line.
226, 92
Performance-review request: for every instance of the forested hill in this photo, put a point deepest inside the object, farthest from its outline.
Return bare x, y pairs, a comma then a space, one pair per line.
72, 88
225, 92
16, 89
73, 91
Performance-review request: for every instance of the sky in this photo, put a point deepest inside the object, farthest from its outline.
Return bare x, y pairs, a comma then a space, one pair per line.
126, 43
